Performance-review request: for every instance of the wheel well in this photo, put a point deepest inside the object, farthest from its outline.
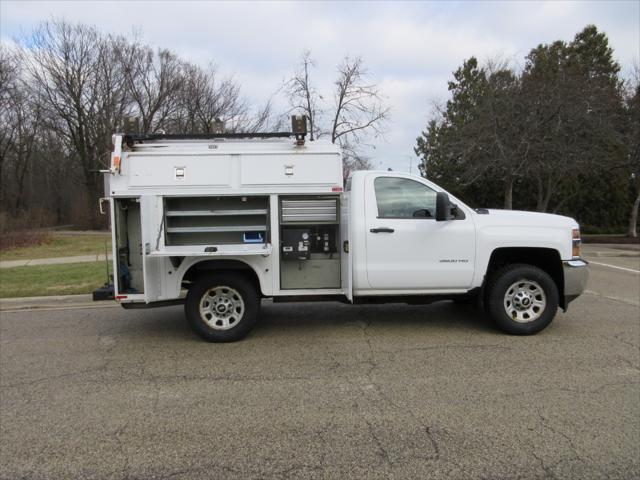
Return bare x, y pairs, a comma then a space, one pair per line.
220, 266
546, 259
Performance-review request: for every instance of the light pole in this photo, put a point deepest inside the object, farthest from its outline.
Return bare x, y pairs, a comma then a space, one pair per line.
410, 163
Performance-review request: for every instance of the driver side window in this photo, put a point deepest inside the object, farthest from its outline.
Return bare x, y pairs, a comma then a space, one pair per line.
404, 198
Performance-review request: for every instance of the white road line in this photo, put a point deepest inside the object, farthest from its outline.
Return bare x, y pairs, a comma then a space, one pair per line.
617, 299
615, 266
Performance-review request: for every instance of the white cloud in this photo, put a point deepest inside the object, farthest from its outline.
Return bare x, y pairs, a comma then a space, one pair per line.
411, 48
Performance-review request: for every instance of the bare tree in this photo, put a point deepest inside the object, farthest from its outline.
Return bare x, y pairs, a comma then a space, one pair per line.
153, 81
207, 100
26, 115
303, 96
357, 111
9, 77
80, 90
352, 160
20, 118
262, 119
359, 108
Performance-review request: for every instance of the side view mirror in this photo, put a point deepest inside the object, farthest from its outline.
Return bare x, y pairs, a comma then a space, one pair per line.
443, 207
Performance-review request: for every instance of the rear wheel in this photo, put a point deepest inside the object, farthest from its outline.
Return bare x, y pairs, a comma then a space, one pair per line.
522, 299
222, 307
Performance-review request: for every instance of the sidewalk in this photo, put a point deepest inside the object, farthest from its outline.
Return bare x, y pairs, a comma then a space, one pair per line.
53, 261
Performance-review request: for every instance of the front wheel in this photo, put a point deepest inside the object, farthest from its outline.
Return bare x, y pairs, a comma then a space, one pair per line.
522, 299
222, 307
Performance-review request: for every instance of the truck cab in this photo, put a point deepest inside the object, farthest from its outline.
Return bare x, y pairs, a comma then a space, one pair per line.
412, 238
222, 222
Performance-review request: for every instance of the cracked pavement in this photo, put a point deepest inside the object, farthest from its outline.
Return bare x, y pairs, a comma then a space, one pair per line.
325, 391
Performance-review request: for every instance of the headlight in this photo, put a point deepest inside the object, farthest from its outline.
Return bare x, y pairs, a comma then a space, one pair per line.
575, 236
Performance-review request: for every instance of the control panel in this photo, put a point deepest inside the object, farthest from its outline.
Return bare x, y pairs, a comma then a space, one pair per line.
299, 243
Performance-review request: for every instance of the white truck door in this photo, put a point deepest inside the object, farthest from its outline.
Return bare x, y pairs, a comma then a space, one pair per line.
345, 251
406, 248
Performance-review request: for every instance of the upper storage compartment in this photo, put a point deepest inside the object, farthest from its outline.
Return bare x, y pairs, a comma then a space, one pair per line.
291, 169
222, 220
200, 167
179, 170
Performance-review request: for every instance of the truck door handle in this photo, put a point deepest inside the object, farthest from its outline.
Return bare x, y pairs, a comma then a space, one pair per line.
382, 230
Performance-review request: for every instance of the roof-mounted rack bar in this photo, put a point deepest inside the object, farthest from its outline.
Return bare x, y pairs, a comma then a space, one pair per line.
131, 138
298, 129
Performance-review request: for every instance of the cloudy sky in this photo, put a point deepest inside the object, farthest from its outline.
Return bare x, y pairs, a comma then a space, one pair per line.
409, 48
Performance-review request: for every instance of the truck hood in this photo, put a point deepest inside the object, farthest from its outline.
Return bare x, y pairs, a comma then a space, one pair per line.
525, 219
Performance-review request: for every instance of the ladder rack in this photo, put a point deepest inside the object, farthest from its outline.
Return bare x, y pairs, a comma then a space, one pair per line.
131, 138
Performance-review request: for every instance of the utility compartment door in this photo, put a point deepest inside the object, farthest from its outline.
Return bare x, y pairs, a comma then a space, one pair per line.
290, 170
310, 251
152, 240
153, 171
406, 248
127, 255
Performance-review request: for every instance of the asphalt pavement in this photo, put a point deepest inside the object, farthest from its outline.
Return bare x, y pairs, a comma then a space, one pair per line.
326, 391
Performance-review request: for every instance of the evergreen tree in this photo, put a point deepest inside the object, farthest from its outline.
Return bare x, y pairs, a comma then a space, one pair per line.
551, 138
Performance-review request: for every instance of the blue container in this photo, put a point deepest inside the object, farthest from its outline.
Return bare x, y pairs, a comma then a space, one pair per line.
253, 237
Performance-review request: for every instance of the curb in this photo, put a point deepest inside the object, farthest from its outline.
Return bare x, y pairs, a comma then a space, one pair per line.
53, 302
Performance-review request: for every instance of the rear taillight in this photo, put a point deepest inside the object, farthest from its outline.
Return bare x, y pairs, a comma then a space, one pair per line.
575, 237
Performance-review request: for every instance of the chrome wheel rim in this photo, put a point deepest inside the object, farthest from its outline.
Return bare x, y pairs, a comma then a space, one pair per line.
524, 301
221, 308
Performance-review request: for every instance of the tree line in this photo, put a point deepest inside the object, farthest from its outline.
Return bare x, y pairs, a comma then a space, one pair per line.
66, 88
559, 135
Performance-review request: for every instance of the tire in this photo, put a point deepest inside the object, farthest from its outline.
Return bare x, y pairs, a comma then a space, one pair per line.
222, 307
522, 299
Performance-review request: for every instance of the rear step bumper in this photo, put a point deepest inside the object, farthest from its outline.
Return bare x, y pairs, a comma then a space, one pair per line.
105, 292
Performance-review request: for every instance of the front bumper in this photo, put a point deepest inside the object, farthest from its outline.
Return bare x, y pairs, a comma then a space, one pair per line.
576, 274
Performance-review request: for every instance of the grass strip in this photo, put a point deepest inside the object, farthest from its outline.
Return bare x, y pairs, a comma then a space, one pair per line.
65, 279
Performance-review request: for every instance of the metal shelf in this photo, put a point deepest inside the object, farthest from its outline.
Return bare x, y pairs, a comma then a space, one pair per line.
221, 250
214, 213
230, 228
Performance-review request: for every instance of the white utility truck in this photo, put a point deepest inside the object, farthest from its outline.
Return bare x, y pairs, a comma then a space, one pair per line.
220, 221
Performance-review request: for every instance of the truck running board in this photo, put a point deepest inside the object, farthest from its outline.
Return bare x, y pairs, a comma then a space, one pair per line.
163, 303
310, 298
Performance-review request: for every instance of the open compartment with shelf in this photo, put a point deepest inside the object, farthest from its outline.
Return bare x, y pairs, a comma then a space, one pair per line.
221, 220
309, 242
